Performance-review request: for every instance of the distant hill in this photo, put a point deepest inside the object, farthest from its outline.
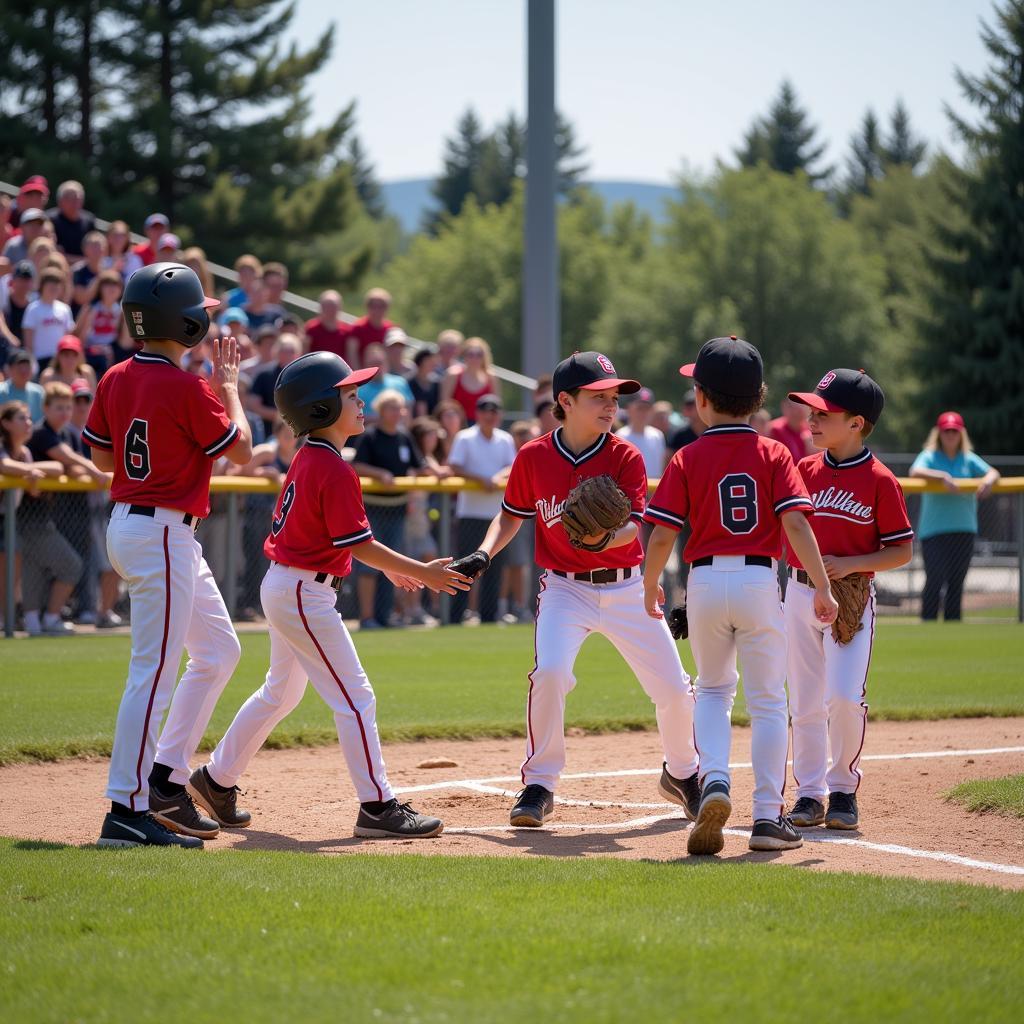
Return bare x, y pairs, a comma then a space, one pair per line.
409, 200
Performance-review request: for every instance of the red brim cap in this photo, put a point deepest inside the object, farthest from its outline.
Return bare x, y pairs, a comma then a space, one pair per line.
814, 401
627, 387
950, 421
358, 376
687, 370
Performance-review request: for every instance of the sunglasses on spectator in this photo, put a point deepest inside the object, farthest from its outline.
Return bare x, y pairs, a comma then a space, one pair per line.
476, 353
83, 398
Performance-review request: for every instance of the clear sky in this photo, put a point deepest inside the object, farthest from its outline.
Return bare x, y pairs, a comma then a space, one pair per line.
651, 85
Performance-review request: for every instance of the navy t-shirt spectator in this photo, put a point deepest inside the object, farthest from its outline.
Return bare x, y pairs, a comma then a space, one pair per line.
682, 437
70, 510
397, 452
69, 233
263, 385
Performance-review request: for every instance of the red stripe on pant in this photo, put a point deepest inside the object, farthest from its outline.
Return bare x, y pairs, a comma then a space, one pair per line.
159, 670
863, 693
529, 696
341, 686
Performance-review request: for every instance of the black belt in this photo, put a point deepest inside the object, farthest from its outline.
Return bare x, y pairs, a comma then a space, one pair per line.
748, 559
801, 577
321, 577
596, 576
148, 510
334, 582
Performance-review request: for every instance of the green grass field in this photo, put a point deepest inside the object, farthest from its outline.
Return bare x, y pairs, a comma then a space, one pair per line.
160, 936
1004, 796
94, 935
60, 697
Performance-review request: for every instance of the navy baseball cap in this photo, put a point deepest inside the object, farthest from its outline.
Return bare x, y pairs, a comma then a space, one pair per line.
730, 366
851, 391
589, 371
25, 268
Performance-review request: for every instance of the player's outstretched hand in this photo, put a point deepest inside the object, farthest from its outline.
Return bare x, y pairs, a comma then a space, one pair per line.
404, 582
654, 598
225, 363
826, 608
439, 576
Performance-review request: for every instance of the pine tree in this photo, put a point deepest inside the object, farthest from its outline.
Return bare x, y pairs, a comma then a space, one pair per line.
975, 336
864, 165
901, 147
488, 166
48, 84
784, 139
365, 179
214, 133
461, 161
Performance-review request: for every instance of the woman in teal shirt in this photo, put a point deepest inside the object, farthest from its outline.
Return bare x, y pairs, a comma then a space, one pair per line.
949, 522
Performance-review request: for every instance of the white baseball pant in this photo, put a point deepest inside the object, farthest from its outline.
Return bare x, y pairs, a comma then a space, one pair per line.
308, 641
734, 608
568, 611
827, 689
175, 605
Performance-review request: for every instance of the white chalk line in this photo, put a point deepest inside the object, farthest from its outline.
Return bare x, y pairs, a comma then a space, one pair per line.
625, 772
484, 786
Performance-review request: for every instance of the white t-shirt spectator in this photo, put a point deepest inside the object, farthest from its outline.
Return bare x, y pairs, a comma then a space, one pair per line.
51, 321
652, 447
481, 456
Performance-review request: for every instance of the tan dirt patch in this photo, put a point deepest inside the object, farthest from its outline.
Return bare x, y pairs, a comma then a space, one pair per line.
302, 801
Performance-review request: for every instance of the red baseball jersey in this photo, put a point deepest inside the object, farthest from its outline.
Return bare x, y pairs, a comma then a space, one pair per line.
319, 513
858, 505
543, 474
165, 428
733, 485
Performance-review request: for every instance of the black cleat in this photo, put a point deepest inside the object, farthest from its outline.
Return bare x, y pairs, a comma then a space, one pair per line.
706, 837
141, 831
533, 807
685, 792
807, 812
177, 812
396, 821
842, 811
775, 834
221, 805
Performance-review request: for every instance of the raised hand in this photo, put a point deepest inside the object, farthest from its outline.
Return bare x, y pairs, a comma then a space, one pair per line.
225, 363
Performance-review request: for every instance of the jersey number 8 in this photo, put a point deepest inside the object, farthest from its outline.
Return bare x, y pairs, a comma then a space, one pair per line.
737, 498
136, 450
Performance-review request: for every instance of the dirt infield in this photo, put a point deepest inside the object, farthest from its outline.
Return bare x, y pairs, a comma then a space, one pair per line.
608, 805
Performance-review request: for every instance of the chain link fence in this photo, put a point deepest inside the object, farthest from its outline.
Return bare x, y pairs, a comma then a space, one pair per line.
54, 569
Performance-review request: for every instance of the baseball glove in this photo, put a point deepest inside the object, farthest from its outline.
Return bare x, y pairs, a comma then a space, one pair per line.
851, 594
471, 565
595, 508
677, 624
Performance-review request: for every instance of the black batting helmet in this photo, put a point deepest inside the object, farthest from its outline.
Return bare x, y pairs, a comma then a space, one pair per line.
306, 392
165, 302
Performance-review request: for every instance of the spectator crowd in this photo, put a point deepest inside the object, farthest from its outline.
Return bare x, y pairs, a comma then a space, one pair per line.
434, 410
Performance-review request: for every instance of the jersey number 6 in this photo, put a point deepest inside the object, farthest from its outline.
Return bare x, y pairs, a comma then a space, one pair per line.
287, 500
136, 450
737, 498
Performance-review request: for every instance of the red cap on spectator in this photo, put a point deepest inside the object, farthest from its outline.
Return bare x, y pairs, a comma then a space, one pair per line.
69, 343
37, 183
80, 386
950, 421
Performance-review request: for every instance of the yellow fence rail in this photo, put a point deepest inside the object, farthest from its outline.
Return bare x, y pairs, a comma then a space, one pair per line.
449, 485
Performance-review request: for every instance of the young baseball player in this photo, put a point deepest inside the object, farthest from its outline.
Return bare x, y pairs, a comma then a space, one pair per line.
738, 490
159, 429
593, 588
319, 524
861, 525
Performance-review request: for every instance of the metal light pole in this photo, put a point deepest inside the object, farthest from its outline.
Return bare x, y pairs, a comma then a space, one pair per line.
541, 328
